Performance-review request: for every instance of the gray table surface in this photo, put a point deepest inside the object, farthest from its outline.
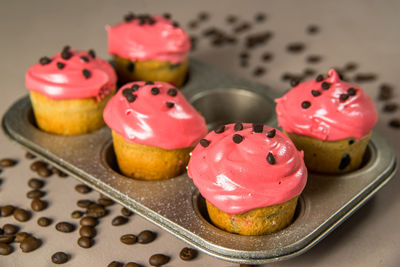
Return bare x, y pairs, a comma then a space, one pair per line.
365, 32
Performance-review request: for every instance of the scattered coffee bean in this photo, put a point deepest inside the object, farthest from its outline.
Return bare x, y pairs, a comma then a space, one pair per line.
344, 162
231, 19
65, 227
259, 71
158, 259
6, 210
115, 264
44, 172
35, 183
188, 254
35, 194
132, 264
38, 204
119, 220
128, 239
10, 229
84, 203
258, 39
365, 77
96, 210
296, 47
146, 237
4, 163
385, 92
76, 214
88, 221
313, 59
394, 123
126, 212
59, 257
105, 201
37, 164
267, 56
5, 249
312, 29
350, 66
29, 155
44, 221
30, 243
260, 17
390, 107
309, 72
6, 239
21, 236
58, 172
82, 188
21, 215
85, 242
87, 231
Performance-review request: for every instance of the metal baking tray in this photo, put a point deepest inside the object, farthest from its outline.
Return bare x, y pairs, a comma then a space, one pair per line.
176, 205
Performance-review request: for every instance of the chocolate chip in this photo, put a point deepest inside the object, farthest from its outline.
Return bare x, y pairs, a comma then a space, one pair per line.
271, 158
146, 237
344, 162
130, 67
238, 126
87, 231
60, 65
44, 61
7, 163
237, 138
65, 227
59, 257
37, 164
390, 107
155, 91
313, 59
158, 259
21, 236
35, 194
385, 92
294, 82
258, 127
305, 104
44, 221
169, 104
315, 93
325, 85
267, 56
351, 141
6, 210
343, 97
86, 73
84, 58
85, 242
296, 47
172, 92
119, 220
394, 123
30, 244
35, 183
5, 249
10, 229
115, 264
365, 77
21, 215
188, 254
351, 91
76, 214
149, 83
44, 172
92, 53
104, 201
312, 29
82, 188
38, 204
6, 239
128, 239
319, 78
126, 212
272, 133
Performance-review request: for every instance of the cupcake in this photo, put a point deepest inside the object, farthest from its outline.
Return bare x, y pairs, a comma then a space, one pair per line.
251, 177
154, 129
330, 120
149, 48
69, 91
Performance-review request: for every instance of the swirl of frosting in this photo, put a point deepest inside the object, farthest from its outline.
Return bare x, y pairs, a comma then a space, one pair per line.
241, 167
154, 114
156, 38
71, 75
327, 109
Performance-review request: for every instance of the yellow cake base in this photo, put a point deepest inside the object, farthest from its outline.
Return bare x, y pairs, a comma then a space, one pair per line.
151, 70
149, 162
68, 117
332, 157
257, 221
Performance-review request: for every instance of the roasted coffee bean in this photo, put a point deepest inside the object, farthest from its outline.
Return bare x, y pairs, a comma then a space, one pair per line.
65, 227
247, 265
21, 215
88, 221
84, 203
38, 204
85, 242
115, 264
35, 183
59, 257
132, 264
76, 214
128, 239
35, 194
158, 259
82, 188
188, 254
394, 123
96, 211
259, 71
126, 212
365, 77
385, 92
312, 29
10, 229
37, 164
21, 236
146, 237
104, 201
30, 243
6, 210
390, 107
87, 231
5, 249
119, 220
44, 172
295, 47
6, 239
44, 221
59, 172
29, 155
7, 163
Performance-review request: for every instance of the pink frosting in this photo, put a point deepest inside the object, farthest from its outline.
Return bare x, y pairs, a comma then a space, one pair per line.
340, 112
164, 120
62, 78
237, 177
161, 40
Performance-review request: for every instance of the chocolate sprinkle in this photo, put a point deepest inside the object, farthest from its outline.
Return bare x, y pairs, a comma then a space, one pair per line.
172, 92
238, 127
315, 93
86, 73
130, 67
129, 17
66, 54
167, 15
351, 91
325, 85
305, 104
92, 53
169, 104
258, 127
220, 129
175, 24
204, 142
84, 58
149, 83
237, 138
344, 162
271, 158
135, 87
351, 141
319, 78
294, 82
271, 133
60, 65
44, 60
155, 91
344, 97
131, 98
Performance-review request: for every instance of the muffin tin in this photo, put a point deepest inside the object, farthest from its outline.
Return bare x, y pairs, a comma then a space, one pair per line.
176, 205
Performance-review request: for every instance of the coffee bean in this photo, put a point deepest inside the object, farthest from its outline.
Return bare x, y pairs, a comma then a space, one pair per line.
65, 227
38, 204
29, 244
385, 92
59, 257
115, 264
84, 203
10, 229
82, 188
58, 172
5, 249
88, 221
390, 107
35, 183
104, 201
44, 221
37, 164
296, 47
119, 220
21, 236
128, 239
188, 254
6, 239
394, 123
247, 265
4, 163
29, 155
96, 210
21, 215
126, 212
44, 172
85, 242
76, 214
365, 77
146, 237
87, 231
132, 264
35, 194
1, 231
158, 259
6, 210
